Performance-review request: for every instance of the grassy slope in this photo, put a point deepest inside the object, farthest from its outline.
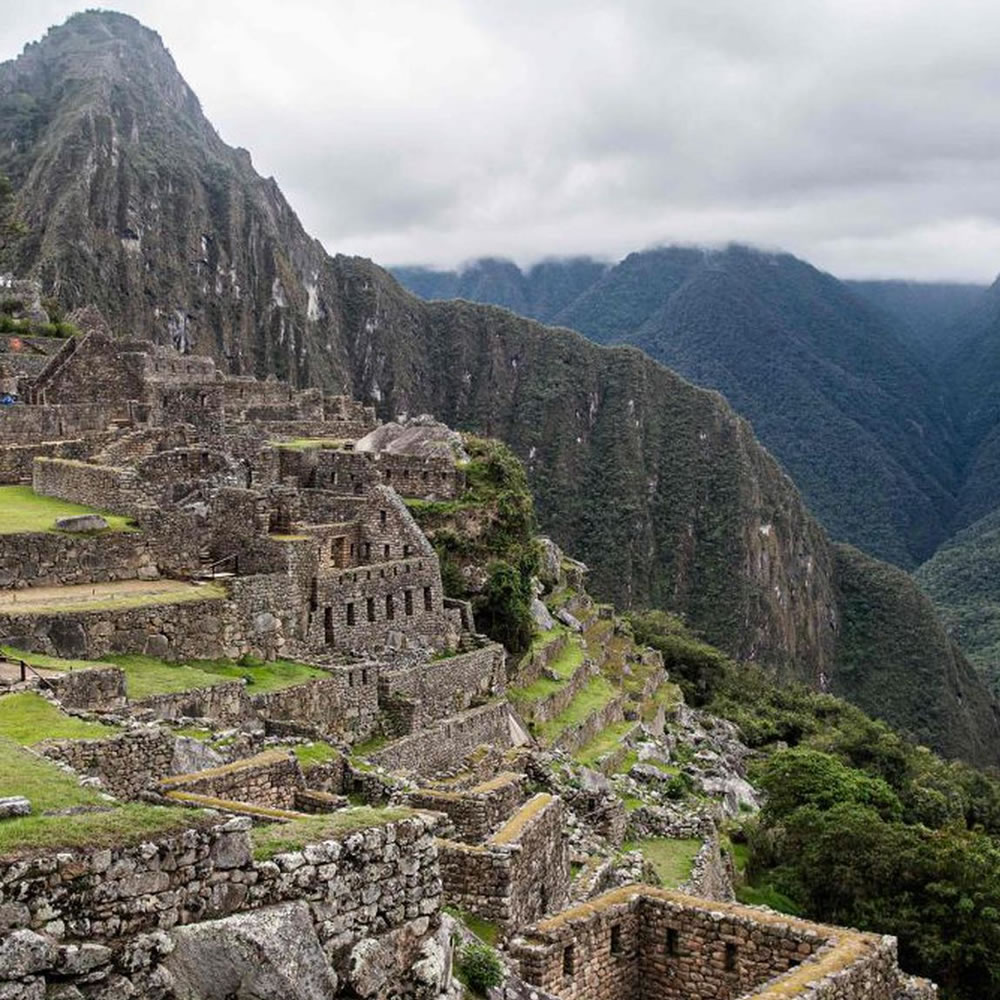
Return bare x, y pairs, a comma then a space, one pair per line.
26, 718
21, 509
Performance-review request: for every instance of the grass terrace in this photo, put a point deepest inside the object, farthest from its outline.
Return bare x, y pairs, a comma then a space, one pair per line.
311, 754
50, 790
607, 740
23, 510
27, 718
146, 675
591, 698
672, 859
564, 667
280, 838
488, 933
304, 444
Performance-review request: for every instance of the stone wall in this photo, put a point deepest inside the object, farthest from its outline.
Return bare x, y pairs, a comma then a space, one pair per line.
186, 630
16, 459
519, 874
444, 687
644, 942
711, 873
104, 487
443, 746
54, 559
226, 703
169, 918
271, 779
477, 812
345, 703
101, 689
51, 423
128, 764
353, 472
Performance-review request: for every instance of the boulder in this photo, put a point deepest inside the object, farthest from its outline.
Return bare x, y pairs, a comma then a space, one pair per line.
569, 620
540, 615
23, 952
14, 805
273, 952
81, 522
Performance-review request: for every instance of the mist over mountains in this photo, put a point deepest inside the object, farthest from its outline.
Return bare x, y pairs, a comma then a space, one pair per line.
132, 202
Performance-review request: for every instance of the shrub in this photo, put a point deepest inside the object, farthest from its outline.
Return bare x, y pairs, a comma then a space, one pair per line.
480, 967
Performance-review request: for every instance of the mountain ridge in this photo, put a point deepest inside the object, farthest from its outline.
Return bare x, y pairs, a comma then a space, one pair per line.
656, 483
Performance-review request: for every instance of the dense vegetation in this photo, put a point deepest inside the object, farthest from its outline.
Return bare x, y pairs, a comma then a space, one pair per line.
485, 542
861, 826
824, 378
963, 580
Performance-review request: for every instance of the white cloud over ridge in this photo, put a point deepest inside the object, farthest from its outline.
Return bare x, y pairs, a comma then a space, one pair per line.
862, 136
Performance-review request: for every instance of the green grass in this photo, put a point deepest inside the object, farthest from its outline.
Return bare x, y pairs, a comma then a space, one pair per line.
21, 509
302, 444
278, 838
605, 741
47, 786
50, 788
132, 823
194, 733
147, 676
486, 931
310, 754
767, 896
591, 698
672, 859
367, 747
27, 718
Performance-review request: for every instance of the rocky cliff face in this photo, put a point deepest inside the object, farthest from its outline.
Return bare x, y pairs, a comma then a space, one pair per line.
135, 204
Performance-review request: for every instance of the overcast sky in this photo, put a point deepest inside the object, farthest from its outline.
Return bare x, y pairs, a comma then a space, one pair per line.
863, 135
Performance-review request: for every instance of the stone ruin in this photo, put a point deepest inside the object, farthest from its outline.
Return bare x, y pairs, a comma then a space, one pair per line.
267, 522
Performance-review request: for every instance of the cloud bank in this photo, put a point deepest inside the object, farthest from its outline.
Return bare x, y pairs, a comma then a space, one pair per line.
862, 136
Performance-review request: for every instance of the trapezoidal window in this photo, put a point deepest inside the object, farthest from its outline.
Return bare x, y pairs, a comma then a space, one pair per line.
731, 955
673, 941
390, 610
381, 518
616, 939
408, 601
428, 606
328, 625
371, 609
350, 613
569, 960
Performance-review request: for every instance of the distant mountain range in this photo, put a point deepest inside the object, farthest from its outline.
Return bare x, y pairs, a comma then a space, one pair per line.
134, 204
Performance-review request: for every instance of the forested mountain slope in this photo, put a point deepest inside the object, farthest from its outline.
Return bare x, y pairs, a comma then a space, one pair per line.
132, 202
826, 379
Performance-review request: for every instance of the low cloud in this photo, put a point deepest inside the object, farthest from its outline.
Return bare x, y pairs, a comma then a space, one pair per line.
864, 137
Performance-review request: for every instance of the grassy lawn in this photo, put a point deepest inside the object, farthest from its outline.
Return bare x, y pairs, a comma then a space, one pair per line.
564, 666
279, 838
672, 859
310, 754
146, 675
666, 696
50, 788
21, 509
605, 741
483, 929
592, 697
27, 717
47, 786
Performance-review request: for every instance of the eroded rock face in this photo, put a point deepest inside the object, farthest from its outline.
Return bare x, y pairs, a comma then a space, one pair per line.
268, 953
